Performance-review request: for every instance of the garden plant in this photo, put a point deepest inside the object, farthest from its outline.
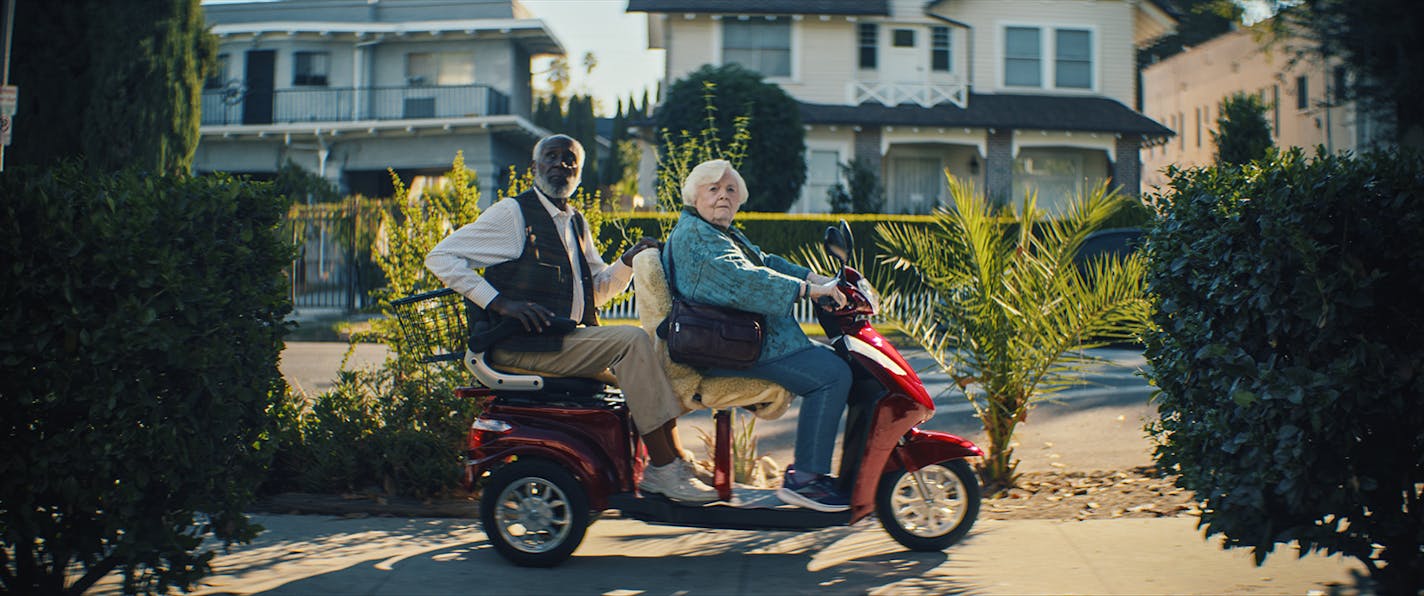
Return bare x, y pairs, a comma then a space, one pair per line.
1010, 310
1286, 346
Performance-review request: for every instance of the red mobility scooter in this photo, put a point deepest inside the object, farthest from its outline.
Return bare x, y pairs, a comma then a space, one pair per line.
554, 453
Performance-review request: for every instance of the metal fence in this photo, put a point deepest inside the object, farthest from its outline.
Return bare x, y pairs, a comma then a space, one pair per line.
238, 105
333, 268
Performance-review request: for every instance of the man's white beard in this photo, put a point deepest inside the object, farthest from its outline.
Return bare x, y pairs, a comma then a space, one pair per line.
563, 192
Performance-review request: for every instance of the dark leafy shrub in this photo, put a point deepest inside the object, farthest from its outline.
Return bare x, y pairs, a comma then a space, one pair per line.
1288, 354
140, 327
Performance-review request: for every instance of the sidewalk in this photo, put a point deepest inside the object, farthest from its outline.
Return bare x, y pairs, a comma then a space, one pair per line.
325, 555
1096, 428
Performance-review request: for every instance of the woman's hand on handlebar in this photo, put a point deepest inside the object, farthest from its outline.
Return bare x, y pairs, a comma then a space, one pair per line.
827, 295
818, 279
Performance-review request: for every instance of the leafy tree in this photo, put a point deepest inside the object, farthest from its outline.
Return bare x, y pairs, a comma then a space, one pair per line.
1242, 133
142, 319
300, 185
118, 83
775, 167
865, 194
1010, 311
679, 154
1286, 349
1379, 40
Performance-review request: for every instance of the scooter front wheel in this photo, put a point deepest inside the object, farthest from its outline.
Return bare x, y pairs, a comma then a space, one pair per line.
534, 512
931, 508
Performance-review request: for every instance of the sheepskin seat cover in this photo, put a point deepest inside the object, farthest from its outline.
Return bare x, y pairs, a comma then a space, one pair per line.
764, 398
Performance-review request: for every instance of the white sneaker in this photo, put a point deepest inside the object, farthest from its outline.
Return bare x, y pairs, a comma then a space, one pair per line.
677, 482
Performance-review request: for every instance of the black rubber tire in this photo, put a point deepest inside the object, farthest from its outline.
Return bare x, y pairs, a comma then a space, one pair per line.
550, 484
968, 501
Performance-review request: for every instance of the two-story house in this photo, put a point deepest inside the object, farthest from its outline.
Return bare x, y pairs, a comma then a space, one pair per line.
1012, 94
348, 88
1305, 103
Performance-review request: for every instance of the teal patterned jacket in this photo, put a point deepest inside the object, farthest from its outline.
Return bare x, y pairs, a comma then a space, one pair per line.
711, 270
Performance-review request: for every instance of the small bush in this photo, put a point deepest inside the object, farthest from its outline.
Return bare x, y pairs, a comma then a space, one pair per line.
1288, 356
140, 327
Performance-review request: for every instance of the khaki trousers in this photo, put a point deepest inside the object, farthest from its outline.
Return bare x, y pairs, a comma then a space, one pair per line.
627, 351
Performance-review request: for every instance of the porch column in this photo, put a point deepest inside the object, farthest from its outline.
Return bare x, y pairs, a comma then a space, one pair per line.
1127, 170
999, 166
867, 145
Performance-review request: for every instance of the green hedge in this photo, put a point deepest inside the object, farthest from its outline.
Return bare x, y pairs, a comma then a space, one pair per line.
778, 233
139, 337
1288, 354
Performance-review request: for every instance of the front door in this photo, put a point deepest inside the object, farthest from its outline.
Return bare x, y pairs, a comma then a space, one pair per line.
257, 107
905, 54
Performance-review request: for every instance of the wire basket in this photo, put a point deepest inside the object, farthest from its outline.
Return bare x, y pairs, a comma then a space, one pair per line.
433, 324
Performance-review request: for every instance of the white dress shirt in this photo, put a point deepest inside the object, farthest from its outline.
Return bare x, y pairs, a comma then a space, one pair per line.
497, 236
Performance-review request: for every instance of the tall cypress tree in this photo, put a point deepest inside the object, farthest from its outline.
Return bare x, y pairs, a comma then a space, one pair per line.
118, 83
579, 123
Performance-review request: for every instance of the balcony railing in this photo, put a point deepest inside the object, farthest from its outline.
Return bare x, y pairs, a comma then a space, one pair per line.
924, 94
237, 105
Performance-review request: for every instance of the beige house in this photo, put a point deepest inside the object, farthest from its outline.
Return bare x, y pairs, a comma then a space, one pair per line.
1013, 94
1302, 98
348, 89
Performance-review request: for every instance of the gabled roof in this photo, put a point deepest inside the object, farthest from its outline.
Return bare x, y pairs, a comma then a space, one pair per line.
1023, 112
837, 7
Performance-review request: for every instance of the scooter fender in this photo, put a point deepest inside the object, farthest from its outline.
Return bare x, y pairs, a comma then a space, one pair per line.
575, 455
921, 448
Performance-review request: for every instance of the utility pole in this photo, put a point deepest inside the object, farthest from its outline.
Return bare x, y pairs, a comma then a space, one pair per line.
7, 116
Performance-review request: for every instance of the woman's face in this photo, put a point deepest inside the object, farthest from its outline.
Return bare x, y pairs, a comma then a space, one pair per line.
717, 202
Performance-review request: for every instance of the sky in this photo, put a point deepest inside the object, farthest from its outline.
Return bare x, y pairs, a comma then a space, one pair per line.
618, 39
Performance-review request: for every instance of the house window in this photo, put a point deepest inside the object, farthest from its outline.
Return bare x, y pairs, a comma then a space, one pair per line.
439, 68
939, 49
1073, 59
869, 42
1275, 107
1199, 119
1342, 83
1302, 93
904, 38
311, 68
763, 45
1022, 57
218, 77
822, 172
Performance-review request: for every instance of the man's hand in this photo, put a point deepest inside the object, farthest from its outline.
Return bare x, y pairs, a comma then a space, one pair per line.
533, 316
643, 244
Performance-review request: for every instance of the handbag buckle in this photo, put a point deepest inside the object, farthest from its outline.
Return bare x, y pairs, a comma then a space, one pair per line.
676, 326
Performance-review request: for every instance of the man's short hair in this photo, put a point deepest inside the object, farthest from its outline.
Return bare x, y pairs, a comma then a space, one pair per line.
708, 172
534, 155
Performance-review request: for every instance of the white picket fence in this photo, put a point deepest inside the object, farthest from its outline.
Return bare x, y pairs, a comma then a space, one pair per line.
803, 310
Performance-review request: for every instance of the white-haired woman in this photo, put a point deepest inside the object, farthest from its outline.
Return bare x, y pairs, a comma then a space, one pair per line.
717, 264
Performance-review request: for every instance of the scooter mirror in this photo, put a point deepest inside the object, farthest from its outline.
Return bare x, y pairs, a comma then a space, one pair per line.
838, 242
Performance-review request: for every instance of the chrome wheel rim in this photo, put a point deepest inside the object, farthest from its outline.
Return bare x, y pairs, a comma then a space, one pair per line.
533, 515
936, 510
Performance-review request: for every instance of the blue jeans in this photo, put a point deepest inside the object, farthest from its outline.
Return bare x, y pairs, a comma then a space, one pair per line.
822, 380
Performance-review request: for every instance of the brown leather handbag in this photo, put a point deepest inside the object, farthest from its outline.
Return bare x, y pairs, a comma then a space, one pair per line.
707, 336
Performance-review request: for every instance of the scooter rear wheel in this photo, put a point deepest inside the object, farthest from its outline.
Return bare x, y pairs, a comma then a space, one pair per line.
930, 509
534, 512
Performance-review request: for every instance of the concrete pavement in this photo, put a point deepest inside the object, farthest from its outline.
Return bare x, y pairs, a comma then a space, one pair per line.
1093, 427
323, 555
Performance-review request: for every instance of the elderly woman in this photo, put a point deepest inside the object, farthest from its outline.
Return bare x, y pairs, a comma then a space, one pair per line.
716, 264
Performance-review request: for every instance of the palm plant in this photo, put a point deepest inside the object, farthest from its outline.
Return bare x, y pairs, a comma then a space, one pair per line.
1011, 312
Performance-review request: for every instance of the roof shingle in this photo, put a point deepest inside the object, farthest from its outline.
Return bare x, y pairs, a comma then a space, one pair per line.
837, 7
1036, 112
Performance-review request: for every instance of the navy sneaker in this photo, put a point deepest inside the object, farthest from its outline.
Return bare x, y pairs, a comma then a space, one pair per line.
818, 493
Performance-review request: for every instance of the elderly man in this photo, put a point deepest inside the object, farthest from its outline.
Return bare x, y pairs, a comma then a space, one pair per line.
540, 263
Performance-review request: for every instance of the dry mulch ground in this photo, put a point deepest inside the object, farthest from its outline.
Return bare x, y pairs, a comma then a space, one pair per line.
1139, 492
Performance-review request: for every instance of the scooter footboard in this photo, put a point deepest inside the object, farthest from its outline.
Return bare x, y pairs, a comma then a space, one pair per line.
924, 447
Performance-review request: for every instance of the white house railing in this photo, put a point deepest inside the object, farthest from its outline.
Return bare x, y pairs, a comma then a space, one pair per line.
924, 94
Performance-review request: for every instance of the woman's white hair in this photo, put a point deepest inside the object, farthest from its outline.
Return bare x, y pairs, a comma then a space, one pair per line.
706, 173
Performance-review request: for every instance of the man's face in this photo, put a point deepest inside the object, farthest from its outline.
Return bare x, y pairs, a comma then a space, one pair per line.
558, 167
